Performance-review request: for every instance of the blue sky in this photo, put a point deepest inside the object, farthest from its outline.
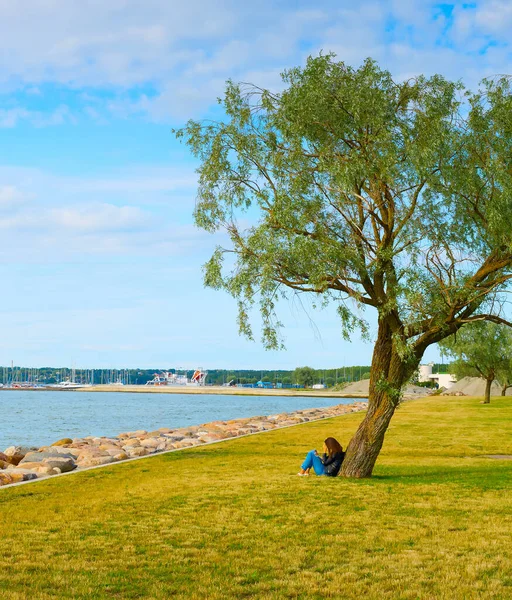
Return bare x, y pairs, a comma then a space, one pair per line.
100, 261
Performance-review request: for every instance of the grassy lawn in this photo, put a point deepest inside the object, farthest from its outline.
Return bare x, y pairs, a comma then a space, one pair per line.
232, 520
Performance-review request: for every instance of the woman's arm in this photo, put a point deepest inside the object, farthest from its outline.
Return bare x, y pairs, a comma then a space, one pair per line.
327, 460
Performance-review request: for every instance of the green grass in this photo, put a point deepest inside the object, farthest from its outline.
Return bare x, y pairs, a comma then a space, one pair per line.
232, 520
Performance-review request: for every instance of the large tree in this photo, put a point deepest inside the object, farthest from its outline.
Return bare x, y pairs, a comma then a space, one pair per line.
369, 193
481, 349
304, 376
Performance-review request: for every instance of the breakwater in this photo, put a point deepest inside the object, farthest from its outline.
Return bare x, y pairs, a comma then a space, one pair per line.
18, 463
40, 418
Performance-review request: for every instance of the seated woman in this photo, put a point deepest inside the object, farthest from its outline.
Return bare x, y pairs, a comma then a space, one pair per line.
328, 464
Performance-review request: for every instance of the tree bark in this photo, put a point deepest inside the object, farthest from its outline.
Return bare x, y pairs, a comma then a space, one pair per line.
504, 389
487, 397
388, 374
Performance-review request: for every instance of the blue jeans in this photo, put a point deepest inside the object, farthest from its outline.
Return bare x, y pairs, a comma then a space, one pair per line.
313, 460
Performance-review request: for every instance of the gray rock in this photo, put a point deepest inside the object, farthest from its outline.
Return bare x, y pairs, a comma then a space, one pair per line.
42, 456
64, 464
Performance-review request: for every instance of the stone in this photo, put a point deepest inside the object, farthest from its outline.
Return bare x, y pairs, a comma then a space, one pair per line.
12, 450
113, 451
59, 450
174, 438
16, 477
15, 459
149, 443
28, 465
187, 443
95, 461
40, 456
63, 442
136, 451
131, 442
63, 464
121, 456
5, 478
211, 437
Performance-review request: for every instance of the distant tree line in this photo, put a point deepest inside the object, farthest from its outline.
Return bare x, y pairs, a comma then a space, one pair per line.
304, 376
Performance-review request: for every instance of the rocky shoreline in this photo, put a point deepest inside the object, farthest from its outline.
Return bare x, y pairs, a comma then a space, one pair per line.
18, 463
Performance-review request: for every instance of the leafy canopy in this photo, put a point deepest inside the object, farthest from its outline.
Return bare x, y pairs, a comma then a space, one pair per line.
480, 350
304, 376
363, 191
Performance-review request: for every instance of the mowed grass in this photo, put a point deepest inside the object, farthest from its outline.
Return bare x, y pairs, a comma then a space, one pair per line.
233, 520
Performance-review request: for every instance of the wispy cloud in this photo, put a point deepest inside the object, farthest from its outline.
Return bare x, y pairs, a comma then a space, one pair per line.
162, 61
13, 116
54, 217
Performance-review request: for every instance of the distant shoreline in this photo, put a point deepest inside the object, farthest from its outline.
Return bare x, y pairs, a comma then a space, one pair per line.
208, 390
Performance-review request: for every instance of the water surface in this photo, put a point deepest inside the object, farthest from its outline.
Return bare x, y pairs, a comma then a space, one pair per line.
39, 418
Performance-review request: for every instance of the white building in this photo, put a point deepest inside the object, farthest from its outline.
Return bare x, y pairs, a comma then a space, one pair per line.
444, 380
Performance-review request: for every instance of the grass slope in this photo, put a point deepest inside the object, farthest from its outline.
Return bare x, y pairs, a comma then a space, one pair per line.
232, 520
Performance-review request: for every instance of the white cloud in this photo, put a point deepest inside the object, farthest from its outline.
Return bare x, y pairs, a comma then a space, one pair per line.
46, 217
494, 17
119, 42
99, 217
10, 117
11, 197
165, 60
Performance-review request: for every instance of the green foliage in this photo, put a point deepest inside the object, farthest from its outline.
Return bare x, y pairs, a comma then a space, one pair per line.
361, 191
480, 349
304, 376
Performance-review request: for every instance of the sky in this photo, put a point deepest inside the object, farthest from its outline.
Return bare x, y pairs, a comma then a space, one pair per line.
99, 257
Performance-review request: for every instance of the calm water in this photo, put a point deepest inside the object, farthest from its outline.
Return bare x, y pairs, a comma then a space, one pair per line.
38, 418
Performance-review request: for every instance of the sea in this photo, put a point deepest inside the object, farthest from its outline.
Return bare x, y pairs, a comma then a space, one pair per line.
42, 417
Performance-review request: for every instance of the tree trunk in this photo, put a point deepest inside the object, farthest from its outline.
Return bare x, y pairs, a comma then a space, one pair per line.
388, 374
504, 389
487, 397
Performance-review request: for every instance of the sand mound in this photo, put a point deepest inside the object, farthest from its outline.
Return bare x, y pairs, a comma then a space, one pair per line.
474, 386
362, 388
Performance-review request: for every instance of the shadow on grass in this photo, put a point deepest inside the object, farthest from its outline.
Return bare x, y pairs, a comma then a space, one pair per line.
483, 477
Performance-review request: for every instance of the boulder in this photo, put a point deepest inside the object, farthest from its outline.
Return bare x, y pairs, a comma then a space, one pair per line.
149, 443
134, 451
5, 478
174, 438
15, 477
131, 442
121, 456
28, 465
12, 450
60, 451
188, 443
63, 464
212, 437
63, 442
95, 461
15, 459
40, 456
113, 451
18, 477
